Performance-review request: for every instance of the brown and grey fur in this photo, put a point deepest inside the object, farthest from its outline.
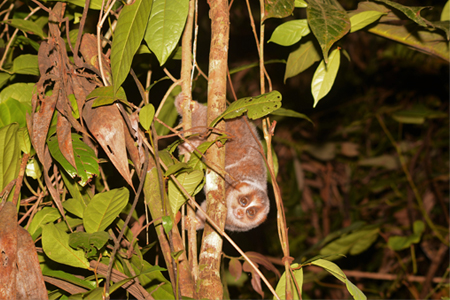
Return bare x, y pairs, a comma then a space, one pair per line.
246, 187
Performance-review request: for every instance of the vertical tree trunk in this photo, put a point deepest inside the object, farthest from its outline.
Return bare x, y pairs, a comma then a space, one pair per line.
209, 285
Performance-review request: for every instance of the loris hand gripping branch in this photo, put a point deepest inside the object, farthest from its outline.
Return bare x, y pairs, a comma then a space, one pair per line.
246, 187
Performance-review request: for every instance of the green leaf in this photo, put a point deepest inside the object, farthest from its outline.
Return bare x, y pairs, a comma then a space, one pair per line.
19, 91
26, 26
33, 169
301, 59
75, 207
324, 76
300, 4
289, 33
256, 107
165, 27
106, 95
328, 21
73, 222
398, 243
104, 208
362, 19
85, 159
278, 9
445, 15
417, 115
167, 224
91, 243
24, 140
290, 113
177, 167
413, 13
9, 156
26, 64
4, 77
127, 37
354, 243
281, 285
13, 111
73, 102
189, 181
146, 115
41, 218
55, 244
46, 271
151, 277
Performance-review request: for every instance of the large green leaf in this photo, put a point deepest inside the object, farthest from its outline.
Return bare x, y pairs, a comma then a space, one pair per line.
127, 38
41, 218
55, 244
12, 111
46, 271
289, 33
301, 59
165, 27
328, 21
85, 159
4, 77
19, 91
256, 107
333, 269
104, 208
354, 243
324, 76
189, 181
26, 26
26, 64
9, 156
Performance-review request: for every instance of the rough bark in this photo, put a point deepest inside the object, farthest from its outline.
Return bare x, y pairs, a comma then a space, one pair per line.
209, 285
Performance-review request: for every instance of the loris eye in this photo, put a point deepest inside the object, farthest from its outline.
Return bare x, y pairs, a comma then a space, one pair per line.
243, 201
251, 212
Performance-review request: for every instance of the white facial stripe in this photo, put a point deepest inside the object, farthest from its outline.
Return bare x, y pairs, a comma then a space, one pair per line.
257, 185
238, 163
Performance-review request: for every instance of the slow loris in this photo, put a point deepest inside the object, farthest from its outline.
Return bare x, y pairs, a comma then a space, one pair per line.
246, 187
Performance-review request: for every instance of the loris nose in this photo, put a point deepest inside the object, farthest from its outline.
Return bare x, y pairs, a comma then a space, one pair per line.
239, 213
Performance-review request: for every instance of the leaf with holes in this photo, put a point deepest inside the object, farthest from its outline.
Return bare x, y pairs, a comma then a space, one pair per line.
256, 107
55, 244
165, 27
189, 181
85, 159
328, 21
104, 208
278, 9
128, 35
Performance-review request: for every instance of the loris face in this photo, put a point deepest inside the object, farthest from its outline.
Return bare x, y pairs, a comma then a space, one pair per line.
247, 205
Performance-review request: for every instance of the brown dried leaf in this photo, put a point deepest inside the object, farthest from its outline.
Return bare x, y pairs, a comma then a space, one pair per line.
256, 280
29, 280
235, 268
63, 132
107, 126
41, 122
261, 259
8, 251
